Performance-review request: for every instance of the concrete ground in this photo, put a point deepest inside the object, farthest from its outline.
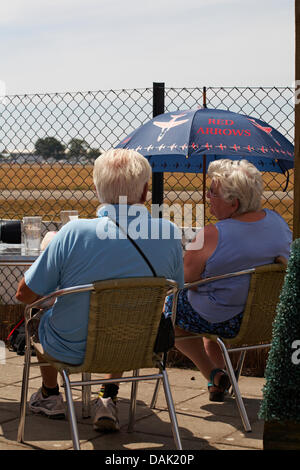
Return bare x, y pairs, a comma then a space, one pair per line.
203, 425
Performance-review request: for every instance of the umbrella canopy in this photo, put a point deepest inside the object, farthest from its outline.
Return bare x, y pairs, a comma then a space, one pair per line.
177, 141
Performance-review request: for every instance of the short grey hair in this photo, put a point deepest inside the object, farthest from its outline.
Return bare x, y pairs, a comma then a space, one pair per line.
238, 179
121, 172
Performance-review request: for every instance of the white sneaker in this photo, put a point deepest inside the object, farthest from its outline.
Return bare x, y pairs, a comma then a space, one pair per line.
52, 406
106, 416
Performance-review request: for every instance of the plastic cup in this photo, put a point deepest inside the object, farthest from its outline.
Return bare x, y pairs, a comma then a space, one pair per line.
32, 228
67, 216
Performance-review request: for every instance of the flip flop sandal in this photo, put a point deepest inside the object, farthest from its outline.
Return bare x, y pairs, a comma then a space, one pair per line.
221, 388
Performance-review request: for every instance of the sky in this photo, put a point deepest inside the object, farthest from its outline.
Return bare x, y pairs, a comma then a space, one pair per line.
49, 46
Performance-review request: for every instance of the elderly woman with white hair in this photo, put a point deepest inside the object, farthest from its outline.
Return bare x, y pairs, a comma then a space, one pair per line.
245, 236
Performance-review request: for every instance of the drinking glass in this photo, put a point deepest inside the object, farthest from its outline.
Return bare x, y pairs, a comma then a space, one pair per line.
32, 227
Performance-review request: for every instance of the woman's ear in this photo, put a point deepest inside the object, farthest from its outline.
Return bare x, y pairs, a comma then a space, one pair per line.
236, 204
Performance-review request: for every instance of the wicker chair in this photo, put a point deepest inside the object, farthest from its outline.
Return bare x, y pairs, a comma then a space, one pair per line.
124, 317
256, 328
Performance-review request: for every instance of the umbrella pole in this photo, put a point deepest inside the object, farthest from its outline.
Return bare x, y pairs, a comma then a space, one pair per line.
204, 166
204, 187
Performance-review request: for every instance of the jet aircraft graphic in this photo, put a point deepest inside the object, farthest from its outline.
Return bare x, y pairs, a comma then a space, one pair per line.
166, 126
268, 130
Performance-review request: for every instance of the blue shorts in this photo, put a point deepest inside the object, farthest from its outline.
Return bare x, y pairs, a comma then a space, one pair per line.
188, 319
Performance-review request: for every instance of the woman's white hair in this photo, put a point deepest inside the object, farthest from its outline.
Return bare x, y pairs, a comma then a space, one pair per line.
121, 172
238, 179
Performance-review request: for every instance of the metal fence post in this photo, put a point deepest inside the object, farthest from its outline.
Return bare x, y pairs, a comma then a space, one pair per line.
158, 178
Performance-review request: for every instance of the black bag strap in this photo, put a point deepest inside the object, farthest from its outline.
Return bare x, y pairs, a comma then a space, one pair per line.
165, 338
136, 246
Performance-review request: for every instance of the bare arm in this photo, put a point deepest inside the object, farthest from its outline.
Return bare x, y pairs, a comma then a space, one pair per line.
26, 295
198, 252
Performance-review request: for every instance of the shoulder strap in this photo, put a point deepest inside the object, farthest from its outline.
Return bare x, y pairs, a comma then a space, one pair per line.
137, 247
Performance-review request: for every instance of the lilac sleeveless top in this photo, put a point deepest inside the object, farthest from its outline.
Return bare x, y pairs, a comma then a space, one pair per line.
241, 245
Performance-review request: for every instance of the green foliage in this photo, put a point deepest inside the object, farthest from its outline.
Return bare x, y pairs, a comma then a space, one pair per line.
49, 147
80, 148
93, 153
281, 397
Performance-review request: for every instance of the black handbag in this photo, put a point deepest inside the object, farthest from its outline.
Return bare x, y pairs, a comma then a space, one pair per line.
165, 338
16, 338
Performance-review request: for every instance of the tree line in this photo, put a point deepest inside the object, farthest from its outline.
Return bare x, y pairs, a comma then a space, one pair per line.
51, 147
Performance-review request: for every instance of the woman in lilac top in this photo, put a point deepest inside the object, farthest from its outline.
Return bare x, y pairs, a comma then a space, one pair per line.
245, 236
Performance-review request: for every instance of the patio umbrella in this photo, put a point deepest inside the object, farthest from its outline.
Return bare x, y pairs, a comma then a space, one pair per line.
178, 141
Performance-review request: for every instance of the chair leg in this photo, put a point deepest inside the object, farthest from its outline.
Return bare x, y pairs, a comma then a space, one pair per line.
24, 392
86, 395
239, 368
236, 390
240, 365
132, 407
171, 409
155, 394
71, 411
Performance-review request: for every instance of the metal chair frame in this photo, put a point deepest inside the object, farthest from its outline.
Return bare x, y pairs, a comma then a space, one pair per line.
86, 382
225, 344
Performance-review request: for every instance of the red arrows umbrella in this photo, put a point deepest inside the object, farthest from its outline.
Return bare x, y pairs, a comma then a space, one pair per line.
188, 140
177, 141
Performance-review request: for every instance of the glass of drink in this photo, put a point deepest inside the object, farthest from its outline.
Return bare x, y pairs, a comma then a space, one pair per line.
189, 234
66, 216
32, 227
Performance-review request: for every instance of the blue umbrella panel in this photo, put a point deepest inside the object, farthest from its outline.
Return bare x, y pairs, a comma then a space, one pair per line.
178, 141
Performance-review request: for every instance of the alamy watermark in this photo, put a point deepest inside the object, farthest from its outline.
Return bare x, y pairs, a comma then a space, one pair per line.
296, 354
2, 91
188, 219
2, 353
296, 97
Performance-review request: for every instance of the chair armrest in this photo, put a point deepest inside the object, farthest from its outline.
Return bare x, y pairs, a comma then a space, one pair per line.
48, 300
189, 285
281, 260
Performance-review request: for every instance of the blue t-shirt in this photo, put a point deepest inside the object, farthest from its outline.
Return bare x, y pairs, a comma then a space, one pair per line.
241, 245
87, 250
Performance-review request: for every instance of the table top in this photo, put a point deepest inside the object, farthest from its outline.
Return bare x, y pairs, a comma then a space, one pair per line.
16, 255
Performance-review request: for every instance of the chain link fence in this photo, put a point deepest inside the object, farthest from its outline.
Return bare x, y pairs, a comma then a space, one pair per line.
272, 105
48, 144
